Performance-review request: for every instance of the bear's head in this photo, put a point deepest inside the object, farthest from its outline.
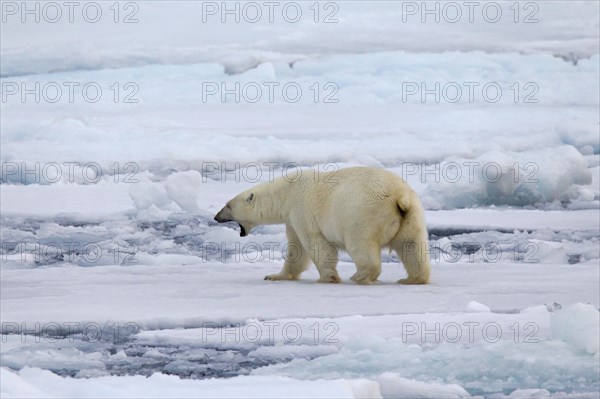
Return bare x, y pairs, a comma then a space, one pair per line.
240, 209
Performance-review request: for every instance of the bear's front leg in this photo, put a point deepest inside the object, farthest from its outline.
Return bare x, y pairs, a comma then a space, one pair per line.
325, 257
279, 276
296, 261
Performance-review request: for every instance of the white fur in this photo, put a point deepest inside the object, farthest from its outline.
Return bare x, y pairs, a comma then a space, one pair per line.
360, 210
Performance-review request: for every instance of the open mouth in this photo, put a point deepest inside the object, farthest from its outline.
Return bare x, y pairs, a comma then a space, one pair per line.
219, 219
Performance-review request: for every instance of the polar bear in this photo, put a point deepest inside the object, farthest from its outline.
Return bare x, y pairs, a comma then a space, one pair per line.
360, 210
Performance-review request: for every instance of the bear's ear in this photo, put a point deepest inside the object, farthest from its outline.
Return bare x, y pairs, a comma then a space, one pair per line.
250, 197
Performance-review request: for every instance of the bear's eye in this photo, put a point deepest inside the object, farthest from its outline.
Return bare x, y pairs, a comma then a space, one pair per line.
250, 197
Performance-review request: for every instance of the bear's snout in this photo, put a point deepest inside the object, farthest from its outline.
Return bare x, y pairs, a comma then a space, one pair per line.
223, 216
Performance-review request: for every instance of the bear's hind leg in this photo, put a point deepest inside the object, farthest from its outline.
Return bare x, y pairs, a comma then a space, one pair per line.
367, 259
325, 257
296, 261
415, 258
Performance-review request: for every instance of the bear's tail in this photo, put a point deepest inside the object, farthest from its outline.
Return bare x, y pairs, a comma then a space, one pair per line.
412, 243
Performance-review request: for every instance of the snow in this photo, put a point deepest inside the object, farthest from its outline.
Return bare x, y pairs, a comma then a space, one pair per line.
116, 281
38, 383
195, 35
475, 306
505, 178
394, 386
198, 130
579, 325
482, 353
